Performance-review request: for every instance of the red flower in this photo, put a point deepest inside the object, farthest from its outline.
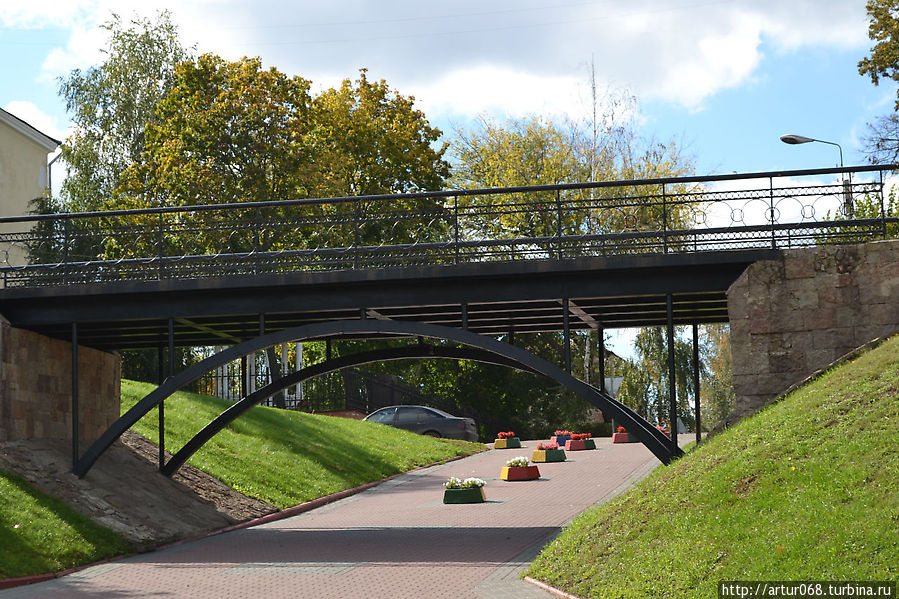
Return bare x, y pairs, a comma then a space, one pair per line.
563, 433
542, 446
581, 436
621, 429
506, 435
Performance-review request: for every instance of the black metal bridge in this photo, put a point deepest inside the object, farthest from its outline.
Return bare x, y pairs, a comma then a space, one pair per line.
461, 266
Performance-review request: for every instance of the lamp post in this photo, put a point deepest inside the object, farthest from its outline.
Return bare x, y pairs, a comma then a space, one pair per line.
793, 139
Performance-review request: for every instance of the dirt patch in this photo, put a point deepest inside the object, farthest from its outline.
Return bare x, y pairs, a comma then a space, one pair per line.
124, 490
744, 484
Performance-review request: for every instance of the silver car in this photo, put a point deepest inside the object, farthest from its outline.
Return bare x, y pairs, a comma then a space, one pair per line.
426, 421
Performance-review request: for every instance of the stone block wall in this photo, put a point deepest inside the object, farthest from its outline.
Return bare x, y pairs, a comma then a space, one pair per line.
791, 317
36, 387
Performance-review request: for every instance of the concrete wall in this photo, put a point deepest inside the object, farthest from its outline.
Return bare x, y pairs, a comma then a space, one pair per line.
794, 316
36, 387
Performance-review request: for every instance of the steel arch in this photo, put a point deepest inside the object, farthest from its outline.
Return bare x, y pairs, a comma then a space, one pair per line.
379, 355
653, 439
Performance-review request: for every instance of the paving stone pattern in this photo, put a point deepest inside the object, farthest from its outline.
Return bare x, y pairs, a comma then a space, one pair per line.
396, 540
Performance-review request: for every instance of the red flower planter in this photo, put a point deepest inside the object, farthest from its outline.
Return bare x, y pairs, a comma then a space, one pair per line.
579, 444
520, 473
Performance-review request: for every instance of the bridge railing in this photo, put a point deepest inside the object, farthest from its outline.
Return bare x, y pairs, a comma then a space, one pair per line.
669, 215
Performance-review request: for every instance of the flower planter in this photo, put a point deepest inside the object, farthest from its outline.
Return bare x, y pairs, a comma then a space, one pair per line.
560, 440
511, 443
469, 495
548, 455
520, 473
579, 444
621, 438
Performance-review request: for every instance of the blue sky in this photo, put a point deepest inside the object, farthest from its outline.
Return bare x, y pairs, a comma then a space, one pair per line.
724, 78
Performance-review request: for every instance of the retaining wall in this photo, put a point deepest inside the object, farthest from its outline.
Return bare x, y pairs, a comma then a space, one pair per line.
794, 316
36, 387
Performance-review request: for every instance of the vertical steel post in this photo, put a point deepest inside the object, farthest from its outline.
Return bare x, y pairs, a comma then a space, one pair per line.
559, 224
465, 316
664, 218
696, 381
771, 212
356, 236
602, 358
456, 229
672, 382
566, 329
171, 373
160, 378
75, 423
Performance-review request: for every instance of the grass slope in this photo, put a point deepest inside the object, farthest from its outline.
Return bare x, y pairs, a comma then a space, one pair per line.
286, 458
806, 489
39, 533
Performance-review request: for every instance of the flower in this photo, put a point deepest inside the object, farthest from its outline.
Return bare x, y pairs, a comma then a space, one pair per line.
621, 429
563, 433
544, 446
520, 462
468, 483
506, 435
581, 436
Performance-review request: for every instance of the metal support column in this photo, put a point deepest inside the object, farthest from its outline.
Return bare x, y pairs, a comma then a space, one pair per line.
672, 382
566, 331
171, 373
696, 381
75, 426
601, 343
465, 316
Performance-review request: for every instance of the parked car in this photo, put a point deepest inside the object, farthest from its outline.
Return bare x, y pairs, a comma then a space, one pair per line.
426, 421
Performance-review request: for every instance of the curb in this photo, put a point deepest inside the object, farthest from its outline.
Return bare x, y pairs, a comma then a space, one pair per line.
8, 583
549, 589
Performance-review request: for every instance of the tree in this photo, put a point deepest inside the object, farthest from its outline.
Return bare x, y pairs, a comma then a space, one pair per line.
718, 385
645, 387
111, 103
882, 142
537, 151
231, 132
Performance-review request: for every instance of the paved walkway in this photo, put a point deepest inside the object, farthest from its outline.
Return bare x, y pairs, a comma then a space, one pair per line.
396, 540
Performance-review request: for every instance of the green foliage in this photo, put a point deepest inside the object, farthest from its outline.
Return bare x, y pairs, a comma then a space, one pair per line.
717, 386
40, 534
805, 490
883, 30
111, 103
645, 385
882, 142
286, 458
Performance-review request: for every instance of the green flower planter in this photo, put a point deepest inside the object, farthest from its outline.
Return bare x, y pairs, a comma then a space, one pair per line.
470, 495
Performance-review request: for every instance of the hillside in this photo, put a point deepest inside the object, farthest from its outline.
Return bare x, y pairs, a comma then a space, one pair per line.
808, 489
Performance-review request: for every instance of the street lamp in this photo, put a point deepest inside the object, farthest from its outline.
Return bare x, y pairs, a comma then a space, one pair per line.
793, 139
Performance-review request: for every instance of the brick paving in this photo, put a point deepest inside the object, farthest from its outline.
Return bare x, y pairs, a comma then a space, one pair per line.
396, 540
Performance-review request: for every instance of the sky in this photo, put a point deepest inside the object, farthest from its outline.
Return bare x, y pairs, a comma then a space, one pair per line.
722, 78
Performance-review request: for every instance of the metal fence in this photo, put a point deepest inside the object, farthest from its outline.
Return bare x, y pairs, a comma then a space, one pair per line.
673, 215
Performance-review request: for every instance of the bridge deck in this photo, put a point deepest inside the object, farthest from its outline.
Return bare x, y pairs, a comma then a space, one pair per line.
494, 298
493, 261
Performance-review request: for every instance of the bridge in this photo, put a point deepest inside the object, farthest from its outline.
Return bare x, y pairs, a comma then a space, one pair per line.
463, 266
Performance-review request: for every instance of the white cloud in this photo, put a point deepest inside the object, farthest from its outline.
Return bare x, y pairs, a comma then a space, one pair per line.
38, 119
511, 56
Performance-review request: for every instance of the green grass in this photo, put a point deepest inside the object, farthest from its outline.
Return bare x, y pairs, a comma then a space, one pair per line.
286, 458
806, 489
40, 534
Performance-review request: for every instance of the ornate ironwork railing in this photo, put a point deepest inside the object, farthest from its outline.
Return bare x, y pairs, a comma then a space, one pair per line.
776, 210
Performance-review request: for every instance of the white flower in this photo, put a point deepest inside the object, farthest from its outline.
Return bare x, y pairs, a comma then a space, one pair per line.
520, 461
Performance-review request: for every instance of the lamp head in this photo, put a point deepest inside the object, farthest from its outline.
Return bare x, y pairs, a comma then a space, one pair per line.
794, 139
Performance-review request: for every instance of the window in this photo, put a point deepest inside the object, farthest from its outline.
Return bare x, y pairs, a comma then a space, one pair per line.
384, 416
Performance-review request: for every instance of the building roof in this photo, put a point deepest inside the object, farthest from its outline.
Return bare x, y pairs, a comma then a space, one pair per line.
28, 131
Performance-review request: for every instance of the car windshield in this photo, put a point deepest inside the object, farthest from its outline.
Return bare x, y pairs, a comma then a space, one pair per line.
382, 415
